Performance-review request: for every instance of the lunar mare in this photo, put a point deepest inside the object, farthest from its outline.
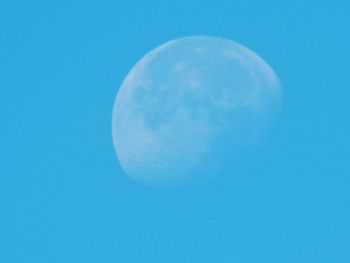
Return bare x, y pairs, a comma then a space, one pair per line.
190, 107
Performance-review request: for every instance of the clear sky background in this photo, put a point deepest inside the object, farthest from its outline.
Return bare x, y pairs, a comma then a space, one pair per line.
63, 197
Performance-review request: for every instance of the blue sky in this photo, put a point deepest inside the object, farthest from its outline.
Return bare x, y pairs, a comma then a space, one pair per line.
63, 197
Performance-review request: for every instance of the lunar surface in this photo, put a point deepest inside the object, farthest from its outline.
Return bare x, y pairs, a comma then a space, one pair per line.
190, 108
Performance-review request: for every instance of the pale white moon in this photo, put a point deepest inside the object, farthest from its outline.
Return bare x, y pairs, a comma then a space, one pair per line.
189, 108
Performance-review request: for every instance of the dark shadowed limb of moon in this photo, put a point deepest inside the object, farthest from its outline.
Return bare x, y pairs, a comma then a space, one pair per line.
189, 108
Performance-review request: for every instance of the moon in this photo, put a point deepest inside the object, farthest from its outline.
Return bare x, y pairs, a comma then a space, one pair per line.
190, 108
